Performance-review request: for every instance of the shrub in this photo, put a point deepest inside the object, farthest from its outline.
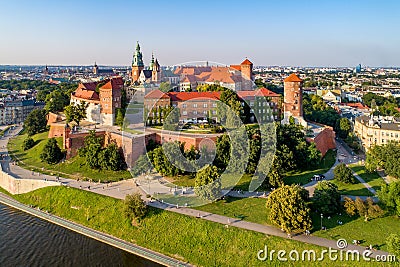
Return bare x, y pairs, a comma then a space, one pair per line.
344, 174
28, 143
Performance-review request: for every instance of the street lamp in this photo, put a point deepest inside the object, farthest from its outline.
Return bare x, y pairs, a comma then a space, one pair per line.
322, 216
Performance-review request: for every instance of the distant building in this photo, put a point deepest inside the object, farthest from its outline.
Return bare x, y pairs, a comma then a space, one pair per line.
357, 69
332, 96
102, 104
17, 110
235, 77
293, 100
376, 130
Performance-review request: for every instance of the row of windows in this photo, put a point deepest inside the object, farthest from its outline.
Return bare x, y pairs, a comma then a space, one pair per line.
205, 112
195, 105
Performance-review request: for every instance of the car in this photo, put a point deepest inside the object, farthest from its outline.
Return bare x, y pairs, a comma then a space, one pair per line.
343, 155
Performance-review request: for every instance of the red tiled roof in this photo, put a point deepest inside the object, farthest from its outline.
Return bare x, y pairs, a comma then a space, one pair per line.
246, 62
157, 94
356, 105
265, 92
184, 96
87, 91
293, 78
236, 67
259, 92
114, 83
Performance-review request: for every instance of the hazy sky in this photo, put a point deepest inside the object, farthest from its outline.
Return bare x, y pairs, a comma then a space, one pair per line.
297, 33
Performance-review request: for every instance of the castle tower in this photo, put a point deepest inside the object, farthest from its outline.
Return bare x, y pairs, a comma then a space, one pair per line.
137, 64
293, 99
95, 69
246, 68
110, 100
156, 72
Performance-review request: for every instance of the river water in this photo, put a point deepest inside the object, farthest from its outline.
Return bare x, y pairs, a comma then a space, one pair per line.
26, 240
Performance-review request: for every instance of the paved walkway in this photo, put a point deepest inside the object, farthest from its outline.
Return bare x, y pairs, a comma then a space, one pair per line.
121, 189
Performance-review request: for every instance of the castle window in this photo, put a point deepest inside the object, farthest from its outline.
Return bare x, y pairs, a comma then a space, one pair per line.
195, 105
195, 112
214, 105
184, 105
205, 105
184, 112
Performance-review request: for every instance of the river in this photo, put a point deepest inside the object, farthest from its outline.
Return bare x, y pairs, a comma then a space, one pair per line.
26, 240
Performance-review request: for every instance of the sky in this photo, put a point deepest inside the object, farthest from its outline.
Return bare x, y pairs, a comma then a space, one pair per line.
270, 32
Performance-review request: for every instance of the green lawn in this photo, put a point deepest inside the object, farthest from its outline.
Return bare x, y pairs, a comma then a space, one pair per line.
304, 177
373, 179
72, 168
197, 241
357, 189
248, 209
372, 232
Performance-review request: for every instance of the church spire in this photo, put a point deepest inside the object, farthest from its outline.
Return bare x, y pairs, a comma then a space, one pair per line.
137, 57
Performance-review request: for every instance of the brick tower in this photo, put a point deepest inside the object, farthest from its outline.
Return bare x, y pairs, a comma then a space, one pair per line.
246, 68
137, 64
110, 99
293, 99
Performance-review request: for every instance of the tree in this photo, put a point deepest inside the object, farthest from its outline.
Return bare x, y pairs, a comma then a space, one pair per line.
28, 143
75, 113
91, 150
135, 208
344, 174
367, 209
288, 209
110, 158
165, 87
326, 198
343, 127
275, 176
51, 152
142, 165
223, 151
386, 156
393, 244
207, 183
389, 195
56, 101
119, 118
349, 206
36, 122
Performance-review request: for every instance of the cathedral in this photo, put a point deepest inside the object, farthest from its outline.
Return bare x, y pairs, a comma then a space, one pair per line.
141, 74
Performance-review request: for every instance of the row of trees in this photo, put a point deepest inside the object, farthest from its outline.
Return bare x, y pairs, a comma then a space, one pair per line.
315, 109
386, 156
384, 106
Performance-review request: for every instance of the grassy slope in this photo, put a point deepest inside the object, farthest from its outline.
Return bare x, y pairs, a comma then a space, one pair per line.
304, 177
200, 242
357, 189
73, 168
373, 179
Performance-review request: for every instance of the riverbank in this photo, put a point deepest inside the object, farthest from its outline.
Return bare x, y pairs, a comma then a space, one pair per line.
110, 240
199, 242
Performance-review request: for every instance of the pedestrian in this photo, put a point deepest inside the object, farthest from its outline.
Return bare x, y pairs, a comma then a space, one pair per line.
88, 187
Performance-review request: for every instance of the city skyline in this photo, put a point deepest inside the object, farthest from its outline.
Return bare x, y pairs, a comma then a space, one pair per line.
270, 34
